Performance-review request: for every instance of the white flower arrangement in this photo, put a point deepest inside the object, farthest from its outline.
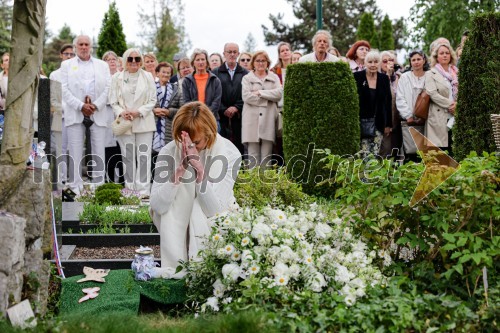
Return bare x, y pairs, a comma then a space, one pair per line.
288, 251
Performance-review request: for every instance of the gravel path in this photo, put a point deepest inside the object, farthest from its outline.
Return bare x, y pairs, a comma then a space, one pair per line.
122, 252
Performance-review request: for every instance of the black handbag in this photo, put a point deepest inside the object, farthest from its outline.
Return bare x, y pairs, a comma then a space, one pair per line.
367, 128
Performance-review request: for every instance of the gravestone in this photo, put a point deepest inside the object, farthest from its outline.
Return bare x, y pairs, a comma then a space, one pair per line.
44, 116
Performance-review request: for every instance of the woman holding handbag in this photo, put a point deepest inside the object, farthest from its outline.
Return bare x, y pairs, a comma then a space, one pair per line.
375, 105
410, 85
441, 83
132, 95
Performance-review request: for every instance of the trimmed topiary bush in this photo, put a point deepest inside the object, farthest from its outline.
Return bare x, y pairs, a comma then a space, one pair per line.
479, 92
321, 111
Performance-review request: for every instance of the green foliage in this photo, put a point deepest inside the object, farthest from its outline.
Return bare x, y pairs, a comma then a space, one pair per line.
107, 216
51, 57
167, 39
452, 229
5, 25
245, 322
366, 30
321, 111
445, 18
339, 16
386, 35
111, 36
112, 197
163, 28
479, 81
259, 188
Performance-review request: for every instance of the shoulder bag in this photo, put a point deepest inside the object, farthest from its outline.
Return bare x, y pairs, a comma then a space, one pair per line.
421, 109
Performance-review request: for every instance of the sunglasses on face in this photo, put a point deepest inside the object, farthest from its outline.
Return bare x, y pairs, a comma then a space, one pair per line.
245, 60
131, 59
385, 61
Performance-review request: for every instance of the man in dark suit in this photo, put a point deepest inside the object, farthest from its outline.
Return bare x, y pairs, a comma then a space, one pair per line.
230, 74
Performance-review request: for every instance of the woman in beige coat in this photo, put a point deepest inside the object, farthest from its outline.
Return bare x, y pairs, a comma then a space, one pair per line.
261, 93
132, 96
441, 83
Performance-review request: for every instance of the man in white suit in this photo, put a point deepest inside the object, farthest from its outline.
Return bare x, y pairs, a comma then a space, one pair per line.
84, 77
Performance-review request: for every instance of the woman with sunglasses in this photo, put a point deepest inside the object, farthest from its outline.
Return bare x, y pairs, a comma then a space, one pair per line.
202, 85
244, 60
261, 93
132, 95
410, 85
356, 55
199, 169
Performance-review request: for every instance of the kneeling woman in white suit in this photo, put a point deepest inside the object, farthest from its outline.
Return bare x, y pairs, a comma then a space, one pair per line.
132, 96
194, 179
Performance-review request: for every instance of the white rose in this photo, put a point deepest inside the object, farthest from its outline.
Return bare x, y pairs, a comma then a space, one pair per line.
322, 230
213, 302
231, 271
261, 230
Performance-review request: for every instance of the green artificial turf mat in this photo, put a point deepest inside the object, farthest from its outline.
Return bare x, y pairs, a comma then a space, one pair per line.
163, 291
119, 294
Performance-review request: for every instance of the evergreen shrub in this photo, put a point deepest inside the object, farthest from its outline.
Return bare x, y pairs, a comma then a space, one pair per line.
321, 111
479, 92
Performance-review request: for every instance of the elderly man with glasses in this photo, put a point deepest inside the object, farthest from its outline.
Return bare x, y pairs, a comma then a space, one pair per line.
85, 83
231, 74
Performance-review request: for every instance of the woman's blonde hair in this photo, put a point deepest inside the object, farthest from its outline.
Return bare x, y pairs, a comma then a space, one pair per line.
258, 53
195, 118
434, 56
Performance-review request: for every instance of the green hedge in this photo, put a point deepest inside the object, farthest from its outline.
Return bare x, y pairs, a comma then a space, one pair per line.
479, 92
321, 111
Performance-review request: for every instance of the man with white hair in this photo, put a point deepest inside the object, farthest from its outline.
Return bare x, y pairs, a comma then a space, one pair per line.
322, 40
85, 83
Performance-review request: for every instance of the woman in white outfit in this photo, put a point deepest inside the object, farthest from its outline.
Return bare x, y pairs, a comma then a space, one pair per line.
194, 180
133, 96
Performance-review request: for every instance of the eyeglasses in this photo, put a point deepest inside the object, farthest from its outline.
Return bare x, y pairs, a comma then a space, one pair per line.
385, 61
131, 59
111, 60
245, 60
68, 54
261, 61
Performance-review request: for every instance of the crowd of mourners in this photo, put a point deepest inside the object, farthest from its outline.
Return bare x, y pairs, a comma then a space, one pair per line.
129, 103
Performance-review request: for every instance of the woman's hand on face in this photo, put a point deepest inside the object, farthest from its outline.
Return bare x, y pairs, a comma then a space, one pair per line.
192, 155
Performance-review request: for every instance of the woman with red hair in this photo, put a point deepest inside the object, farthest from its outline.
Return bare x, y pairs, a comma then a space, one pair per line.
357, 54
